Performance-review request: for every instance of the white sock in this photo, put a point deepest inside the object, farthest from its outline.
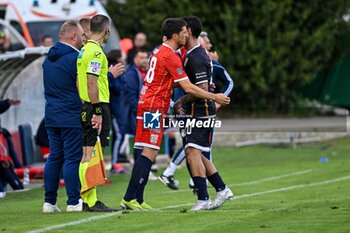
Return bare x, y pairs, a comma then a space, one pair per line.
170, 170
191, 182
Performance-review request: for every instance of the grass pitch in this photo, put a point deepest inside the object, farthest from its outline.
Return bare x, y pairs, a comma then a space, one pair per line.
277, 189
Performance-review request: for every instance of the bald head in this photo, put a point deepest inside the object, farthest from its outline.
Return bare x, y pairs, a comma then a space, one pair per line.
72, 33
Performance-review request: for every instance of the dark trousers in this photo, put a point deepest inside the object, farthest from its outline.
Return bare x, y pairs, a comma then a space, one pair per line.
66, 151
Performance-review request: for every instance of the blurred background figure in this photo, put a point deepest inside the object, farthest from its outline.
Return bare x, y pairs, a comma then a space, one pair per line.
204, 40
133, 82
46, 41
8, 156
3, 47
125, 45
119, 145
140, 43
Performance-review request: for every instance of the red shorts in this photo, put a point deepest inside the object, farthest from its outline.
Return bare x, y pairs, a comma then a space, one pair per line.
149, 128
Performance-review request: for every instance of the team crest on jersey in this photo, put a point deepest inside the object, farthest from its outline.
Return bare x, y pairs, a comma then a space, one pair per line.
154, 138
95, 67
180, 71
97, 54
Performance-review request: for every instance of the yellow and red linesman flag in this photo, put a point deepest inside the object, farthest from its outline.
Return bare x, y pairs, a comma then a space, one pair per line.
95, 173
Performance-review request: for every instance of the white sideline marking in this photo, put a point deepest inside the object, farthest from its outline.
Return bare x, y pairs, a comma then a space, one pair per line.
85, 220
94, 218
254, 181
273, 178
271, 191
292, 187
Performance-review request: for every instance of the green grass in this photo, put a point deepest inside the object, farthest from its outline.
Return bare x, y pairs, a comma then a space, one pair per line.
307, 206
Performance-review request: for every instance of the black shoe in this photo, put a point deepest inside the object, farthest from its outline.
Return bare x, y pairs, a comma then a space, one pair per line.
169, 181
86, 207
194, 190
100, 207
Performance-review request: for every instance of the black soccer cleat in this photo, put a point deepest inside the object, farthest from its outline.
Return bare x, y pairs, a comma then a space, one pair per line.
85, 207
169, 181
98, 207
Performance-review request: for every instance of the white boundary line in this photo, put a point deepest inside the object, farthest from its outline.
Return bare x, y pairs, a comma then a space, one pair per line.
273, 178
271, 191
254, 181
95, 218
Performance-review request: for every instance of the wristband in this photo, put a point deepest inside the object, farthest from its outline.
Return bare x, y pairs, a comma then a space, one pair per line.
97, 109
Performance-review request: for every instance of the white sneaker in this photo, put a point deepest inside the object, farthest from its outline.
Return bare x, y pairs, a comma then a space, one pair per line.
221, 197
75, 208
202, 205
49, 208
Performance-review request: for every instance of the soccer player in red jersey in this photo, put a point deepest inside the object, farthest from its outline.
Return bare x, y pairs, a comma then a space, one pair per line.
165, 70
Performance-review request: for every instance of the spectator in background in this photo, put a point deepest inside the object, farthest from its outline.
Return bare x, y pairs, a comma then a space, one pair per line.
118, 138
125, 45
220, 74
7, 103
4, 106
46, 41
140, 43
3, 47
133, 82
62, 118
204, 40
7, 153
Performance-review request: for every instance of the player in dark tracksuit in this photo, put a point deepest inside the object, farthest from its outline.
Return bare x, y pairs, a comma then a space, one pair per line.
116, 86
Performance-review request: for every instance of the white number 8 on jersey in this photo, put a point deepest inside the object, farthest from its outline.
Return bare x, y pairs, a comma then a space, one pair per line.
150, 74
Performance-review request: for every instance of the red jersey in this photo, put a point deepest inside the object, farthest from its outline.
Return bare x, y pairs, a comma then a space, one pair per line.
165, 69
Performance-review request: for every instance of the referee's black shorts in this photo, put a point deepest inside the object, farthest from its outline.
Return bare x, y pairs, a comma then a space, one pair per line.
90, 134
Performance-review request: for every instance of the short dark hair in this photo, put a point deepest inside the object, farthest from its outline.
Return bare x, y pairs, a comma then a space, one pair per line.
98, 23
113, 56
194, 23
141, 51
172, 26
84, 22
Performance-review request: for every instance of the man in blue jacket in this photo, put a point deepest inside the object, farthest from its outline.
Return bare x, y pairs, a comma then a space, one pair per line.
116, 104
133, 82
62, 118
